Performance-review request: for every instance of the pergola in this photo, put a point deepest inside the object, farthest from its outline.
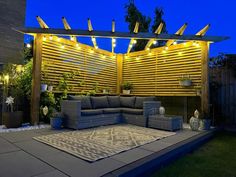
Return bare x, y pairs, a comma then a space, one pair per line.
133, 66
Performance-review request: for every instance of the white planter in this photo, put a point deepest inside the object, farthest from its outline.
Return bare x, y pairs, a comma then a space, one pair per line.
185, 83
50, 88
126, 91
44, 87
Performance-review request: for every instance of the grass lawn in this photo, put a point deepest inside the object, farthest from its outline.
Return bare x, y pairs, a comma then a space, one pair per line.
217, 158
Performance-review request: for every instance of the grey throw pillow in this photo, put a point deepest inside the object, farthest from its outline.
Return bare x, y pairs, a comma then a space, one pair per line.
127, 102
85, 101
100, 102
114, 101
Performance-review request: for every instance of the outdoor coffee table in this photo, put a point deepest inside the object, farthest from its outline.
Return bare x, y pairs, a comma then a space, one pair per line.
166, 122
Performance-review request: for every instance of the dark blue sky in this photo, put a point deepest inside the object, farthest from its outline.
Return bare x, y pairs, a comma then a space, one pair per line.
197, 13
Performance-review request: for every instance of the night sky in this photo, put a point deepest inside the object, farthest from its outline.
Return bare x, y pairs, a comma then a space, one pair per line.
197, 13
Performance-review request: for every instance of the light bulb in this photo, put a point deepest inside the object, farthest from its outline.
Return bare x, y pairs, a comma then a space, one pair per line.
154, 42
28, 45
50, 38
113, 40
134, 41
44, 38
175, 43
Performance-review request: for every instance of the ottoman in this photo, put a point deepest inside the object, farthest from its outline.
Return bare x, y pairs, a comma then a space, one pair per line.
165, 122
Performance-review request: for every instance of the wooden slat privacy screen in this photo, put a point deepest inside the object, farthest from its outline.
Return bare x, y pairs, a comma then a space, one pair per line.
157, 72
93, 65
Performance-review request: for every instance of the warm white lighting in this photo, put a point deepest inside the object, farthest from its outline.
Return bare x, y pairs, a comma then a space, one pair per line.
78, 47
113, 56
96, 47
175, 43
154, 42
50, 38
28, 45
62, 46
180, 53
113, 40
149, 53
44, 38
166, 48
194, 43
103, 56
93, 39
134, 41
58, 39
164, 51
72, 38
197, 45
185, 44
114, 45
126, 56
91, 51
148, 49
137, 58
130, 46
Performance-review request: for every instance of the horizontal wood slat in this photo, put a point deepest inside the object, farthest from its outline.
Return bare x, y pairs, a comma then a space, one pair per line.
157, 72
93, 65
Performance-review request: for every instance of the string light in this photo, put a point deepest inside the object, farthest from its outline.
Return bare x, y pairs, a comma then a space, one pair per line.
130, 46
28, 45
137, 58
113, 40
78, 47
103, 56
149, 53
91, 51
63, 46
134, 41
44, 38
166, 48
197, 45
180, 53
58, 39
164, 51
175, 43
114, 45
50, 38
72, 38
148, 49
96, 47
154, 42
93, 39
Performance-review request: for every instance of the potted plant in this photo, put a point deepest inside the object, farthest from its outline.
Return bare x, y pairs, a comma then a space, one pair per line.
185, 81
205, 122
56, 120
127, 87
11, 118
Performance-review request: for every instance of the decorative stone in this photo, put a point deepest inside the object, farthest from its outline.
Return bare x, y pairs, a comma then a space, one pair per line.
194, 123
162, 110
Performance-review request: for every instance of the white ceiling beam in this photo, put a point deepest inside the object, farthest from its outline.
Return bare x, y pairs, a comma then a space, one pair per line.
42, 23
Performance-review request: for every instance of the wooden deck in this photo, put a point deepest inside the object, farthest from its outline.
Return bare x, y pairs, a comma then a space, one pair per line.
20, 155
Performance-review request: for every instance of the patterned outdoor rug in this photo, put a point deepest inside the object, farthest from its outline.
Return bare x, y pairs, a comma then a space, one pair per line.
97, 143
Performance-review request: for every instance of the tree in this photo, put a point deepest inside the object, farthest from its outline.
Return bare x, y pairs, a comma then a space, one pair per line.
158, 19
134, 15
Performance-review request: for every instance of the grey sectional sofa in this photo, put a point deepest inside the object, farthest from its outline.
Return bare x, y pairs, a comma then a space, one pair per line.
89, 111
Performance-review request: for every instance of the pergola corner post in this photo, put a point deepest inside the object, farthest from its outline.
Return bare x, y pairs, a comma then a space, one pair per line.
119, 64
36, 79
205, 79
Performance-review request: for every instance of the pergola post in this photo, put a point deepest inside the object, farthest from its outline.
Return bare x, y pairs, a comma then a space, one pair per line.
36, 79
119, 64
205, 78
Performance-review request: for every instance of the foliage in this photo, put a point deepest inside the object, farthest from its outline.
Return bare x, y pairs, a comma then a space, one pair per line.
133, 15
208, 160
127, 86
158, 19
47, 99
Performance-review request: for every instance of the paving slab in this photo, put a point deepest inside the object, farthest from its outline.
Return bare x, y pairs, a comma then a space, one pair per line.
19, 163
5, 146
54, 173
131, 155
156, 146
19, 136
37, 148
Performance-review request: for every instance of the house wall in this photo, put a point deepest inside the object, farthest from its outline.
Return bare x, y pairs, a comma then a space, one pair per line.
12, 14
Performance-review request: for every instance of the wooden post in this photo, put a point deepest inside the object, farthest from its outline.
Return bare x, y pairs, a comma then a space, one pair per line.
205, 78
119, 64
36, 79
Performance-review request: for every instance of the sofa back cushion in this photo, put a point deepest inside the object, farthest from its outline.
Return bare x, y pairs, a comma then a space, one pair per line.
114, 101
139, 101
127, 102
85, 101
99, 102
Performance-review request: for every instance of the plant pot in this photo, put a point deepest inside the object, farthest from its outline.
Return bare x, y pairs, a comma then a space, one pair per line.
12, 119
105, 91
205, 124
126, 91
50, 88
185, 83
44, 87
56, 122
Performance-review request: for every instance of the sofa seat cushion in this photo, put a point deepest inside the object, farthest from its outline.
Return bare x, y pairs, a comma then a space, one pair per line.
111, 110
139, 101
90, 112
85, 101
127, 102
99, 102
132, 111
114, 101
